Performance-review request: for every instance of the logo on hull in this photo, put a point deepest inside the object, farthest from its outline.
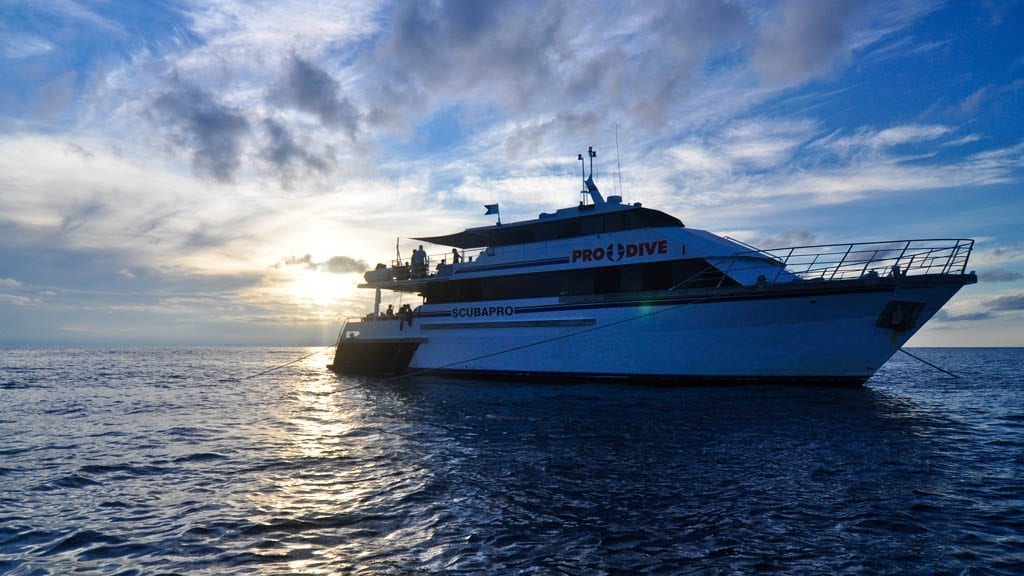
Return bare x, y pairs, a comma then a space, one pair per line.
617, 251
482, 311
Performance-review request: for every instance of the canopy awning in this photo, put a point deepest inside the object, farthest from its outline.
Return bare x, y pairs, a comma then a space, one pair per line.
465, 239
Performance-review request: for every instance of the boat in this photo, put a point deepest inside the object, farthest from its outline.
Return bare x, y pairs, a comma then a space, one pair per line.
607, 289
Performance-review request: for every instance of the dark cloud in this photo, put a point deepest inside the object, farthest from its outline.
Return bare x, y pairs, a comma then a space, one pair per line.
344, 264
506, 50
306, 261
282, 152
311, 89
803, 38
334, 265
999, 275
211, 130
546, 56
1011, 302
684, 36
785, 239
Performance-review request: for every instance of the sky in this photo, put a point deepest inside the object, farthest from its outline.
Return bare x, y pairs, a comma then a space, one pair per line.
221, 173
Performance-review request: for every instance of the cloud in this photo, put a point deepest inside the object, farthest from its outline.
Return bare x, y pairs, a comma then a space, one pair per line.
17, 46
868, 140
999, 275
432, 50
804, 38
306, 261
285, 155
211, 130
905, 46
344, 264
17, 300
71, 9
945, 316
1011, 302
998, 255
309, 88
526, 57
968, 139
9, 283
785, 240
334, 264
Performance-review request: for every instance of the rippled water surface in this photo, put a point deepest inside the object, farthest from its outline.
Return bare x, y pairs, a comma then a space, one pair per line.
170, 461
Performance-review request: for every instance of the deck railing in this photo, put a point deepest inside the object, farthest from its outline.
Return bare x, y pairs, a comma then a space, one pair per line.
857, 260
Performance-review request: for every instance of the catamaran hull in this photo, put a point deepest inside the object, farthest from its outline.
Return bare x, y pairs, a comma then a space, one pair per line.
836, 334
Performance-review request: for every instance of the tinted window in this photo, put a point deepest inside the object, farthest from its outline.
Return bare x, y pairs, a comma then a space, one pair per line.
649, 276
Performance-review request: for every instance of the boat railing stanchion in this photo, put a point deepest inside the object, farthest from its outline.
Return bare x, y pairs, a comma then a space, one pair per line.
841, 261
868, 261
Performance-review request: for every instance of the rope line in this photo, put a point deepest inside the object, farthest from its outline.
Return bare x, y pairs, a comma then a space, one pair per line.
552, 339
943, 370
279, 366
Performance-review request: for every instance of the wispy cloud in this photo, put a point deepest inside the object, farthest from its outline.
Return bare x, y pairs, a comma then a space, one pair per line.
17, 46
1011, 302
999, 275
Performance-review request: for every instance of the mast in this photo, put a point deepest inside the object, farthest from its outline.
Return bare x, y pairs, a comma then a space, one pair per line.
595, 194
583, 177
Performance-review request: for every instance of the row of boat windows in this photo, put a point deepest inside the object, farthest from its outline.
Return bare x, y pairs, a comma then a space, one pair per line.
581, 226
694, 272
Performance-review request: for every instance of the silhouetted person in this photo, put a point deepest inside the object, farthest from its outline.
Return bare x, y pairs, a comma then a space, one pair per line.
419, 262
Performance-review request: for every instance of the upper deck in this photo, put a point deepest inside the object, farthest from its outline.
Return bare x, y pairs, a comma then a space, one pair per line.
582, 220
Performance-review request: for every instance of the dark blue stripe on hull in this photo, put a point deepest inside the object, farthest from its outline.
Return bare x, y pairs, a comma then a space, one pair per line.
797, 291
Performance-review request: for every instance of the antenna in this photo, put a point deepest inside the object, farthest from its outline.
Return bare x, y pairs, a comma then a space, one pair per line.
592, 154
583, 177
618, 159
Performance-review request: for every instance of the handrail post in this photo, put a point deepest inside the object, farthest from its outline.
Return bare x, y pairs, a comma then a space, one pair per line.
840, 265
900, 257
868, 263
785, 263
967, 257
949, 262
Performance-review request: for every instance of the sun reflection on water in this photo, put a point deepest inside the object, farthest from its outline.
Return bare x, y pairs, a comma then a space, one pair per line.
346, 463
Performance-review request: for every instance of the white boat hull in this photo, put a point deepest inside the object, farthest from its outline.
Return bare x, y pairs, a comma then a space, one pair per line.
836, 332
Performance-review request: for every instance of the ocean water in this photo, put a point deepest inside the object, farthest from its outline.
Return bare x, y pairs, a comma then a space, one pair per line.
175, 461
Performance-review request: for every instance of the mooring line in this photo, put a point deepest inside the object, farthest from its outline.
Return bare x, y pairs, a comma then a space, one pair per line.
279, 366
538, 343
929, 363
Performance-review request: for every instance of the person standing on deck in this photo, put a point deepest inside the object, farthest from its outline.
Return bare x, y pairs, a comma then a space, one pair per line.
419, 262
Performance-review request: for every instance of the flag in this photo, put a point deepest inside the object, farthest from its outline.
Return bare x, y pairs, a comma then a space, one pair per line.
491, 209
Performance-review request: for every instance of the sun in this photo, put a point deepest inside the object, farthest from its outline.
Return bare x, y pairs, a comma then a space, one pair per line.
320, 289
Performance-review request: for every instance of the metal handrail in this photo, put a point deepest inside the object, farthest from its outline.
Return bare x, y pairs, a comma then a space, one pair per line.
860, 259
